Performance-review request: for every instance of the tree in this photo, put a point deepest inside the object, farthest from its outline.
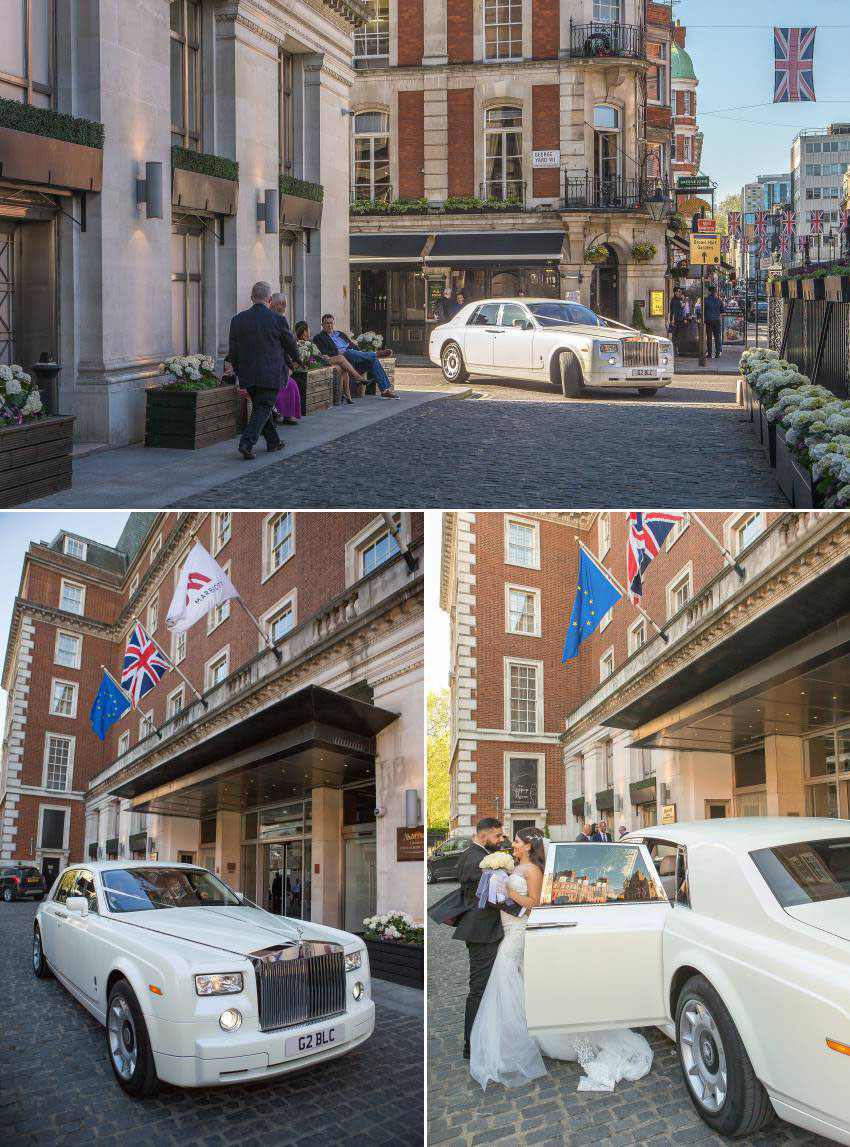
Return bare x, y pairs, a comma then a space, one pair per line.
730, 203
438, 761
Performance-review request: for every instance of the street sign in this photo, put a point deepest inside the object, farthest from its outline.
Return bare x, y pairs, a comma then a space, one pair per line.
705, 250
546, 159
668, 814
707, 226
693, 183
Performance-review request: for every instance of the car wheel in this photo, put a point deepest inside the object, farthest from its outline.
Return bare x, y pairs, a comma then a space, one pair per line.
7, 895
39, 962
721, 1082
570, 374
647, 391
128, 1044
429, 875
451, 360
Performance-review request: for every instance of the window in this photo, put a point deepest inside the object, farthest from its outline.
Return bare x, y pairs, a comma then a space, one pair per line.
513, 315
522, 544
371, 159
134, 584
216, 669
373, 39
677, 531
378, 552
222, 528
502, 29
146, 726
606, 664
187, 273
52, 834
178, 647
599, 874
523, 610
280, 540
604, 534
74, 548
637, 635
155, 548
219, 613
73, 597
606, 153
605, 619
63, 699
608, 11
27, 53
123, 743
679, 593
503, 153
746, 529
656, 161
806, 872
280, 619
153, 615
525, 696
186, 73
68, 651
657, 84
175, 702
58, 763
524, 777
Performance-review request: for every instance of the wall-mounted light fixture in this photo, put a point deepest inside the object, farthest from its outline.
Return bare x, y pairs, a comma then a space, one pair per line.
149, 191
268, 211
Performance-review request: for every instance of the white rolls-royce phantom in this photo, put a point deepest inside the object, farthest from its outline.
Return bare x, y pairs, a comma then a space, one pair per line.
733, 936
195, 985
549, 340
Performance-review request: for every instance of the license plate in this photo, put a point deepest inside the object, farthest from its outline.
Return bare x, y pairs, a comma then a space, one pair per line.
644, 374
314, 1041
32, 880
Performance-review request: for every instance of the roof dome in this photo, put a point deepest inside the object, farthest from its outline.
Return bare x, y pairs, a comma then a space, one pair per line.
683, 67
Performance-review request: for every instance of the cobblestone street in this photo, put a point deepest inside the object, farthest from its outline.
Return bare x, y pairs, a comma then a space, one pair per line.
58, 1086
655, 1110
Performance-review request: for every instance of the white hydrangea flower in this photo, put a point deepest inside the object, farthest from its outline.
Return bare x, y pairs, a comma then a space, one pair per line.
13, 386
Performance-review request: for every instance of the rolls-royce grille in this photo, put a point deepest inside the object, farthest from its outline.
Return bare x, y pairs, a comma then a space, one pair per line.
637, 352
299, 984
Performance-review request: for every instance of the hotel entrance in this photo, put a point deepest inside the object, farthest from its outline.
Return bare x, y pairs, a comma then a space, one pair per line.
287, 868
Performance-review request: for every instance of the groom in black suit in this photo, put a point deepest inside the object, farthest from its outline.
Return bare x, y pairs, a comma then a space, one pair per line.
480, 928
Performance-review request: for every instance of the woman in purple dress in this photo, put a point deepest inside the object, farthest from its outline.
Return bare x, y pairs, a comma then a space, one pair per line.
288, 404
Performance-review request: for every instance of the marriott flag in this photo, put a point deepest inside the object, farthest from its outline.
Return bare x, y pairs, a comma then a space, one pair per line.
202, 586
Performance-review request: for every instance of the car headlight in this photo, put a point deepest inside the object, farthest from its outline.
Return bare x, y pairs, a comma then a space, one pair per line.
665, 360
218, 983
608, 348
353, 960
358, 990
230, 1020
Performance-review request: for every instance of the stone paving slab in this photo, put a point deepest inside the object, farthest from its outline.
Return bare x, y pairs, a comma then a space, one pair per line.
57, 1088
655, 1110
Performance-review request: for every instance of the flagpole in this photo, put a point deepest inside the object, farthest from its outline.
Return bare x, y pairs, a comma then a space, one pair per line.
129, 699
607, 573
271, 645
179, 672
735, 564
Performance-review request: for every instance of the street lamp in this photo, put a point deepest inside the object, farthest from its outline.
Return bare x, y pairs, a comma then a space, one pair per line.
659, 205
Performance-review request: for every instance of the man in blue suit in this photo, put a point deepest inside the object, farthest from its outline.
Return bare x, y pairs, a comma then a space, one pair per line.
602, 834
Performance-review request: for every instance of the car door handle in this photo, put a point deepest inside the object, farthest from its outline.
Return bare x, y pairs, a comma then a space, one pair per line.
497, 331
560, 924
61, 915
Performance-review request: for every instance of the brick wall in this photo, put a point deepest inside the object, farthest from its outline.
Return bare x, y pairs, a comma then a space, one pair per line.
545, 135
545, 30
679, 34
659, 116
461, 127
459, 26
411, 144
411, 33
658, 14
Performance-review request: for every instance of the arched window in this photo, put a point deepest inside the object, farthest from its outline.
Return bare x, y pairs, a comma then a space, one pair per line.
503, 153
606, 151
371, 161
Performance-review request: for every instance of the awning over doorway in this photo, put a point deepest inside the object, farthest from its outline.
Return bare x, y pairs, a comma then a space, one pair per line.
496, 247
376, 249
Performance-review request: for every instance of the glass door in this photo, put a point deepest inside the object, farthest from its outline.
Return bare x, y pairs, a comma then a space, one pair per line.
360, 881
208, 859
283, 870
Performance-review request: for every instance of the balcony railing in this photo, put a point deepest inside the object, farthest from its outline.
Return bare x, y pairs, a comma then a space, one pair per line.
600, 40
378, 193
595, 193
511, 189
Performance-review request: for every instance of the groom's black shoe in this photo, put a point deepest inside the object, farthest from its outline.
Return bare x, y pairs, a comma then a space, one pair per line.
466, 1051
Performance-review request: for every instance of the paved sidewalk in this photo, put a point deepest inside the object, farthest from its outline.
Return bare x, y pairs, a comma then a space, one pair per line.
654, 1111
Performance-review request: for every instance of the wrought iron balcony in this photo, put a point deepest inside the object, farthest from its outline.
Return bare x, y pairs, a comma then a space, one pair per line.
504, 190
600, 40
594, 193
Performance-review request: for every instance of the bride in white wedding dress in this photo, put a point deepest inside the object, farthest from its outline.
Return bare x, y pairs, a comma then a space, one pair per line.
502, 1051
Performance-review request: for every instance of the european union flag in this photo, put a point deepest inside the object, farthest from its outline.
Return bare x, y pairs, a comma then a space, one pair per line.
109, 706
595, 595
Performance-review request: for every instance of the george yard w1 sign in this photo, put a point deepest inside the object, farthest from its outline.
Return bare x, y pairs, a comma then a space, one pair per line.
546, 159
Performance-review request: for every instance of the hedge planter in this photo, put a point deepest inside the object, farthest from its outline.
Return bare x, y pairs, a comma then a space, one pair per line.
768, 437
35, 459
400, 963
784, 466
317, 389
837, 288
190, 419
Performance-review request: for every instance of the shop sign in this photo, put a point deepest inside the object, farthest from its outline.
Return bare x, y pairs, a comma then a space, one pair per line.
705, 249
546, 159
693, 183
668, 814
656, 304
523, 782
706, 226
410, 843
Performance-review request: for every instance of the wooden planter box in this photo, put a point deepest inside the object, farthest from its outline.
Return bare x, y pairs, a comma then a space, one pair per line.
838, 288
190, 419
400, 963
806, 496
30, 158
768, 437
317, 389
35, 459
784, 466
389, 366
755, 422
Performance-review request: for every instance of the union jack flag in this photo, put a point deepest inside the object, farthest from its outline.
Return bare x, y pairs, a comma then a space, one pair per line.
745, 242
648, 530
784, 240
144, 666
724, 244
734, 219
794, 53
761, 222
764, 245
816, 222
789, 222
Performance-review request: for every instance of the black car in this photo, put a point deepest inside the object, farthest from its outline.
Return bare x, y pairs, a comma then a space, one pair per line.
444, 859
21, 882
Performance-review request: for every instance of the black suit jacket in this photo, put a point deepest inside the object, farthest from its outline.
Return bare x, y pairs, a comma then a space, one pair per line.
327, 345
477, 925
582, 837
259, 342
598, 836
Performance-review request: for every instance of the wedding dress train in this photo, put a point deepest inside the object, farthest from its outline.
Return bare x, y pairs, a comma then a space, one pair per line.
502, 1051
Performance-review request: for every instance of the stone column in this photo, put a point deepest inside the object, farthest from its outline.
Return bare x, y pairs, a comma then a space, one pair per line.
436, 137
784, 771
434, 28
326, 877
228, 837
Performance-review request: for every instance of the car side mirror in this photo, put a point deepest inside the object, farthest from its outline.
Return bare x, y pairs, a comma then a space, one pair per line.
77, 904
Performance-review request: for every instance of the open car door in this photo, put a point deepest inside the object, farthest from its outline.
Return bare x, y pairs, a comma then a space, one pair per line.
593, 946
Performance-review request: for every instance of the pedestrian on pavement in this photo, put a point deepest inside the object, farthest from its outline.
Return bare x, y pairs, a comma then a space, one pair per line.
342, 367
586, 833
622, 830
677, 319
259, 340
480, 928
444, 307
460, 302
288, 403
330, 341
714, 321
602, 834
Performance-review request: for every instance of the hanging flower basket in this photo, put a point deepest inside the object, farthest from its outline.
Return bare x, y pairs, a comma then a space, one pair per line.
596, 255
644, 252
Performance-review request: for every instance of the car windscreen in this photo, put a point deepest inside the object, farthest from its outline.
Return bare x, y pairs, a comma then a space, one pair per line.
27, 873
142, 889
807, 872
597, 873
556, 314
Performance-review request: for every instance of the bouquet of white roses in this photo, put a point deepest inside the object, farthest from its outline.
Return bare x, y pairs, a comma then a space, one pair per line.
496, 860
190, 372
20, 400
369, 340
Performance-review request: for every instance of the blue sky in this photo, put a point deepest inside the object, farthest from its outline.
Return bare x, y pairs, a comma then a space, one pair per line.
19, 528
734, 65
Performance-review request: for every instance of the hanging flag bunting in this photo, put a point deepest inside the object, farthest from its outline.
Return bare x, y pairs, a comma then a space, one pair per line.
783, 244
761, 222
144, 666
745, 242
734, 223
724, 244
764, 245
789, 222
595, 595
794, 52
110, 705
202, 585
648, 530
816, 222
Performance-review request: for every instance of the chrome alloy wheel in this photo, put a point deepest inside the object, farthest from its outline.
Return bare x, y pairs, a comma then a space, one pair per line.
36, 949
123, 1042
704, 1056
452, 363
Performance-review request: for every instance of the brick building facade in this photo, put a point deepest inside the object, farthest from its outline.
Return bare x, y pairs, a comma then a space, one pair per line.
282, 764
741, 711
556, 112
687, 138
